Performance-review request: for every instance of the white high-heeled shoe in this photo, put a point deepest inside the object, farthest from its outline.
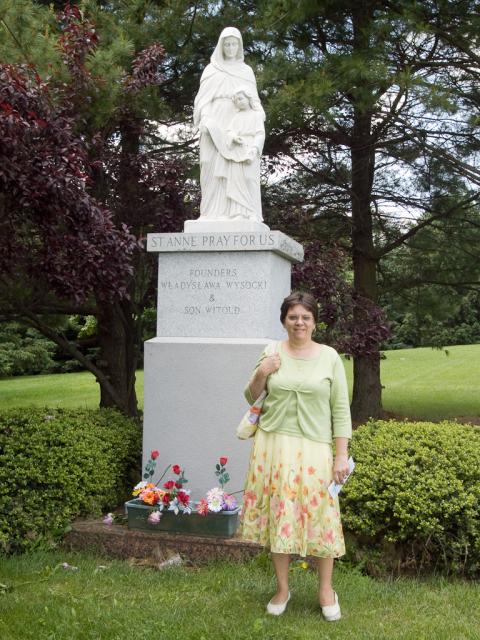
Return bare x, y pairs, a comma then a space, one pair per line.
277, 609
331, 612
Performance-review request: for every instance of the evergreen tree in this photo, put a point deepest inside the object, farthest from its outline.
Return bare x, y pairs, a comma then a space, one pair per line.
367, 102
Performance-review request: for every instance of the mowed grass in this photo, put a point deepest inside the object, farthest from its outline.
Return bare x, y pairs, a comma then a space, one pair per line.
66, 390
419, 383
111, 600
429, 384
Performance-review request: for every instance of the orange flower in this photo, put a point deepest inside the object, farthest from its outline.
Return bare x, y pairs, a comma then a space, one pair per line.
311, 471
150, 497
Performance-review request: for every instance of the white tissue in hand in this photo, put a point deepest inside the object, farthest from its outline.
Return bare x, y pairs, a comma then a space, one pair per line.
335, 488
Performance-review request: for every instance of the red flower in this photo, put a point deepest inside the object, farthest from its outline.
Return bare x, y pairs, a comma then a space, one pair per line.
166, 498
223, 460
178, 485
169, 485
176, 469
154, 454
183, 497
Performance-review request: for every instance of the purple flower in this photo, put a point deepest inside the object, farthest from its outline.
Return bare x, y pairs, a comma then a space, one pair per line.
108, 519
229, 502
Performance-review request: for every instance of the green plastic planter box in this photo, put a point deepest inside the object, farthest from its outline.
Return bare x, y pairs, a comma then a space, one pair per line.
222, 524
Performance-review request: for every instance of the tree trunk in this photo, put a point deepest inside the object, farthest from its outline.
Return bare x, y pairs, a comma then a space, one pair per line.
367, 388
118, 360
117, 331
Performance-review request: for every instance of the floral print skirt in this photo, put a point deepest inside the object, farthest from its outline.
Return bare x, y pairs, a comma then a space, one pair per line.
287, 507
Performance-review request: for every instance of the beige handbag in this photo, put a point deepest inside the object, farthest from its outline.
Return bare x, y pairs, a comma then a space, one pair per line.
248, 424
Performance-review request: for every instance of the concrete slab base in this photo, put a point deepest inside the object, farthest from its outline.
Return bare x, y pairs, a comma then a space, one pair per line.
118, 541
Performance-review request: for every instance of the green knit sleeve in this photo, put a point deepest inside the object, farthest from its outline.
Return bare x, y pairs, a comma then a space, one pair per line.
339, 402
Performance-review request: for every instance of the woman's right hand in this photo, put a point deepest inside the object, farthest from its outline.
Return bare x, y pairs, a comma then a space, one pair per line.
270, 364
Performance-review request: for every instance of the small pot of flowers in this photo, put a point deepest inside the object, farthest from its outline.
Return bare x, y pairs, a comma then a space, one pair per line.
167, 506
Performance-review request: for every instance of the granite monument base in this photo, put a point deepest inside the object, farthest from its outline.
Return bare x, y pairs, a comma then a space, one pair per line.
193, 404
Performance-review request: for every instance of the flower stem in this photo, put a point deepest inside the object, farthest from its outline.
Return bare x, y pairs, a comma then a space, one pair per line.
163, 475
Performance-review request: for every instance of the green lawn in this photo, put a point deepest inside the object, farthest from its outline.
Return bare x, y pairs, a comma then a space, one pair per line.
68, 390
419, 383
223, 601
426, 383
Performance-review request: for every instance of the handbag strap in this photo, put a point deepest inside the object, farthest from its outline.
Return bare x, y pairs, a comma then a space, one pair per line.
272, 348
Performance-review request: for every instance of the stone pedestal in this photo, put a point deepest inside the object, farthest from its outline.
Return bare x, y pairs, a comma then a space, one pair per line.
219, 297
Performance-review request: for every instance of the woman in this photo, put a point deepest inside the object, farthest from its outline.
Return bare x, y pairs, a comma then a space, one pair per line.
287, 506
224, 196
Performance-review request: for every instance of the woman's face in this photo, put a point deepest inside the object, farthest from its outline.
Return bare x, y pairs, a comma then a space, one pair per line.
230, 47
299, 323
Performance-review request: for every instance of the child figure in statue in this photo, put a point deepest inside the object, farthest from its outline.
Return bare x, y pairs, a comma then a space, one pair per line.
246, 133
245, 137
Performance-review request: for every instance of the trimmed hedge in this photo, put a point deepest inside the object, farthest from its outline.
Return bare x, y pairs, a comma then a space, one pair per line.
58, 464
417, 486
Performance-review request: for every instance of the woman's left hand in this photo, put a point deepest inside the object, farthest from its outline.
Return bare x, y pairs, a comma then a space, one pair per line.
340, 468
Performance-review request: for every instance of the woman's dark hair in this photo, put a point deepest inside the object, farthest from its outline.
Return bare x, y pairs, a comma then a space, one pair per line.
299, 297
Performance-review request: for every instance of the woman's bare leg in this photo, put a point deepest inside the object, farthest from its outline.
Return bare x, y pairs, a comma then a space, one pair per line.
281, 562
325, 590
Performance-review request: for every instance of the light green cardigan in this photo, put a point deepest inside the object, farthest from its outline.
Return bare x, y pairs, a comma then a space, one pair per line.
307, 398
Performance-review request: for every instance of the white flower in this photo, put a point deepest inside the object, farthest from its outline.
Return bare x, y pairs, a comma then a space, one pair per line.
215, 493
140, 485
215, 504
174, 506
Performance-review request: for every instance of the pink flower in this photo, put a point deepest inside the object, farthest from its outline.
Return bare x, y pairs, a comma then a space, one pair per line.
277, 506
329, 536
311, 532
154, 454
202, 507
250, 496
108, 519
286, 530
311, 471
154, 517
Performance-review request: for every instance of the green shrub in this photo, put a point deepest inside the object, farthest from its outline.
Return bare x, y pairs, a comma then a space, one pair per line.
417, 485
24, 350
58, 464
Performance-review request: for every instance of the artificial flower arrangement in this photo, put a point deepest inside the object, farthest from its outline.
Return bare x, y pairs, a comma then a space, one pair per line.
172, 495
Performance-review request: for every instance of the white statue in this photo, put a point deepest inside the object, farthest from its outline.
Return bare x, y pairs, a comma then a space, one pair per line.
230, 118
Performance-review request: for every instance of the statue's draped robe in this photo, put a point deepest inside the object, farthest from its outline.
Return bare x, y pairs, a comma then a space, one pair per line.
229, 189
